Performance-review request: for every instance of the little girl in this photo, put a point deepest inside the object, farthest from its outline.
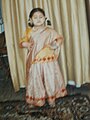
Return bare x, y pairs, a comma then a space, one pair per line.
43, 75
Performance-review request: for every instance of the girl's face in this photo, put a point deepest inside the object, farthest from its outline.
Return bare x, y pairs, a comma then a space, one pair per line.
38, 19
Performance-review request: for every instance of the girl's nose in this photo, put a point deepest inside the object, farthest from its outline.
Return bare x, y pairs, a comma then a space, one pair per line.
38, 18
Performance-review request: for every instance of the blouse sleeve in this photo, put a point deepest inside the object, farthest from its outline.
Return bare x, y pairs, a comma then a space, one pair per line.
26, 37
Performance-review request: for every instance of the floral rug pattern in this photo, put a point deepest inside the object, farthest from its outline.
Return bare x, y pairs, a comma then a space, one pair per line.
74, 107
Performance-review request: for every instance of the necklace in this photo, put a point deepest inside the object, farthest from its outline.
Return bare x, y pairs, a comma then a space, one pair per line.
35, 28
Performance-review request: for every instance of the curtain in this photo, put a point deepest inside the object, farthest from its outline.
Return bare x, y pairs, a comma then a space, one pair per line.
67, 17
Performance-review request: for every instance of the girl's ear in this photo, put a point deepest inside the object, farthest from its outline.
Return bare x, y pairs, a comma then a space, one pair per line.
48, 22
30, 22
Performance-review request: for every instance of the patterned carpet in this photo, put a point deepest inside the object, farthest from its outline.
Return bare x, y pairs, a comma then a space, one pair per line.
74, 107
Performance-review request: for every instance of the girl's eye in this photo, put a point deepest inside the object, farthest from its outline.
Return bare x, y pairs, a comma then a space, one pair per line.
41, 17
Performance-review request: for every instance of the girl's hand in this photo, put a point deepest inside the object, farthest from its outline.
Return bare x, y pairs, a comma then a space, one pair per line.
30, 45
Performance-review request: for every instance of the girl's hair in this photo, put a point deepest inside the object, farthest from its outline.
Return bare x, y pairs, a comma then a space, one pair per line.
36, 10
31, 14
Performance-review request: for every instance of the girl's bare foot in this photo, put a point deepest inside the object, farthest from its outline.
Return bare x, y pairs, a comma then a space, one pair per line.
52, 104
31, 106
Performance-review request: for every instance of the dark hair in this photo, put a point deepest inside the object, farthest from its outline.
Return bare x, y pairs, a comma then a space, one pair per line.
36, 10
48, 22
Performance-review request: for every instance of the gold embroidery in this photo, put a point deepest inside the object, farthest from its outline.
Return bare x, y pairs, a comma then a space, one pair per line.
44, 55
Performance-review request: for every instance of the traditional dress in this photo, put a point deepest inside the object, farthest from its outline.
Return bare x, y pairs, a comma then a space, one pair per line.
44, 78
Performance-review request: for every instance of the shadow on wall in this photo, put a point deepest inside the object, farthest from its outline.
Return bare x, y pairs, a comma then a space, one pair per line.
88, 14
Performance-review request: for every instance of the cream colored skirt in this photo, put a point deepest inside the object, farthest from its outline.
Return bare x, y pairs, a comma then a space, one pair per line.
45, 83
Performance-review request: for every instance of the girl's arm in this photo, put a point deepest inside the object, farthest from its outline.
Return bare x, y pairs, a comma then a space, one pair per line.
25, 44
25, 40
56, 43
56, 39
28, 45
